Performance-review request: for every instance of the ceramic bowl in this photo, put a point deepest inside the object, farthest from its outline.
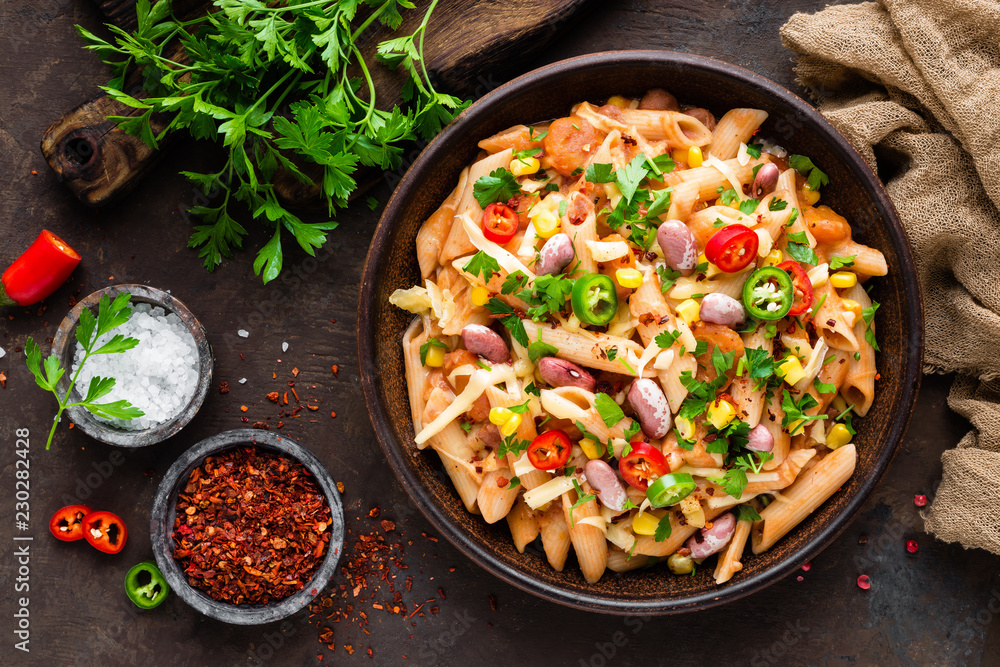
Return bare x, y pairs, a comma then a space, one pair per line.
549, 92
64, 346
165, 508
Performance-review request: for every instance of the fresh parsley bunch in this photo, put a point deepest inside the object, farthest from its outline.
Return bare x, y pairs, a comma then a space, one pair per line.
110, 315
278, 86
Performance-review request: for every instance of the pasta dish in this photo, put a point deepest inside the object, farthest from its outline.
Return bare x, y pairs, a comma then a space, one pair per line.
640, 336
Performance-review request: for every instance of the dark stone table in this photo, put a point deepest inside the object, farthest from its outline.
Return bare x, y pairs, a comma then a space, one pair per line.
933, 608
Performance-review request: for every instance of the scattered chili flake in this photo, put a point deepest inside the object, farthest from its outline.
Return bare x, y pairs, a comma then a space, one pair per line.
806, 567
434, 609
336, 370
295, 372
349, 649
441, 593
284, 398
251, 526
244, 408
274, 376
429, 537
387, 525
244, 419
800, 578
312, 407
3, 380
34, 173
864, 582
273, 397
919, 500
912, 546
863, 539
493, 602
295, 394
340, 486
451, 569
71, 424
333, 414
223, 387
263, 426
370, 652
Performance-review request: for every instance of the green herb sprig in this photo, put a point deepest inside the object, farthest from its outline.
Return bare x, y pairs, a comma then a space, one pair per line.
279, 87
110, 315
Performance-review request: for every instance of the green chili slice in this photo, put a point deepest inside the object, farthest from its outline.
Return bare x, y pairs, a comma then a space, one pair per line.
768, 293
670, 489
145, 585
595, 299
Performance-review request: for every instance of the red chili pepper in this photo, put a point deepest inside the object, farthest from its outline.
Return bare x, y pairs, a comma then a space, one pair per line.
105, 532
499, 223
912, 546
37, 273
732, 248
919, 500
550, 450
802, 288
67, 523
643, 464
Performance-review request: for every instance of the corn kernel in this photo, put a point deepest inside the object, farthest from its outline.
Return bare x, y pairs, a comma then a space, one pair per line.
693, 512
645, 523
524, 166
838, 436
694, 157
589, 448
843, 279
435, 357
546, 223
500, 416
510, 426
812, 196
712, 269
852, 306
480, 296
620, 102
791, 370
689, 310
684, 427
630, 278
773, 258
720, 413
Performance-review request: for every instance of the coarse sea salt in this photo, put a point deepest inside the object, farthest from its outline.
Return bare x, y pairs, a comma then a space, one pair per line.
159, 375
3, 353
284, 347
243, 333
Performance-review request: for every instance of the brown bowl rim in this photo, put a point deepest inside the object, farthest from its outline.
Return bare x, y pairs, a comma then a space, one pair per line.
910, 382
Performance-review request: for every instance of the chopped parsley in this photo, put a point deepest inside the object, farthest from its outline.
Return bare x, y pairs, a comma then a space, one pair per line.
666, 339
868, 314
824, 387
747, 513
600, 173
802, 253
484, 265
748, 206
754, 150
838, 262
663, 528
509, 319
805, 166
668, 277
512, 445
777, 204
499, 186
582, 499
795, 412
610, 412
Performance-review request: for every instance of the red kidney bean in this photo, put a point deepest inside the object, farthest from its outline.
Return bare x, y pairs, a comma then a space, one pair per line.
703, 115
650, 405
609, 488
760, 439
658, 99
708, 541
561, 373
722, 309
485, 342
555, 255
765, 180
677, 243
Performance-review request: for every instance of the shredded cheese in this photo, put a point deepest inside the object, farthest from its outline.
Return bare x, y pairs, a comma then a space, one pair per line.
478, 382
727, 171
507, 261
415, 300
605, 251
620, 536
547, 492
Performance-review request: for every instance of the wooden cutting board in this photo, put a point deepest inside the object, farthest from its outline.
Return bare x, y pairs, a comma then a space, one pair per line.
471, 46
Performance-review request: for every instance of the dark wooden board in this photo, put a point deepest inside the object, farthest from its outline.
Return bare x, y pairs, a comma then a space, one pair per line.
936, 607
469, 44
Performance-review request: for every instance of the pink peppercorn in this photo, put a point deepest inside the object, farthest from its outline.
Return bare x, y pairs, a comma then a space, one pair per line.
912, 546
806, 567
864, 582
919, 500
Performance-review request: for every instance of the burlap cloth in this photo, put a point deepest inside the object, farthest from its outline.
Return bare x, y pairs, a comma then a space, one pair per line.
917, 83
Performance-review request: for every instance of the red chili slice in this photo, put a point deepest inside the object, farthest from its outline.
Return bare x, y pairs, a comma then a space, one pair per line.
801, 286
67, 523
499, 223
105, 532
550, 450
642, 465
38, 272
732, 248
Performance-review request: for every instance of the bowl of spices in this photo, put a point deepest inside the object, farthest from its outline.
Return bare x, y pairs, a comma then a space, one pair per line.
165, 376
247, 527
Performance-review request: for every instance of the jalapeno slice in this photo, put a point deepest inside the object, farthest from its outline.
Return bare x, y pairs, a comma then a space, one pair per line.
768, 293
595, 299
670, 489
145, 585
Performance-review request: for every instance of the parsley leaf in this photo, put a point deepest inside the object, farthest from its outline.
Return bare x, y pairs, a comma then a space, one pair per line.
795, 412
805, 166
777, 204
532, 390
824, 387
868, 314
663, 528
733, 481
485, 265
499, 186
798, 237
754, 150
513, 445
631, 175
727, 197
748, 206
509, 319
666, 339
540, 349
610, 412
581, 499
759, 364
513, 281
668, 277
802, 253
747, 513
838, 262
600, 173
700, 348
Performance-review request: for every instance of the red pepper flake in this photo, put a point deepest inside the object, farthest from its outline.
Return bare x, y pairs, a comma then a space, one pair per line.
374, 512
244, 408
34, 173
336, 370
251, 526
806, 567
864, 582
333, 414
244, 419
370, 652
451, 569
274, 376
800, 578
349, 649
223, 387
388, 526
312, 407
912, 546
340, 486
919, 500
262, 426
295, 394
863, 539
273, 397
295, 372
493, 602
430, 537
434, 609
71, 424
441, 594
284, 398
